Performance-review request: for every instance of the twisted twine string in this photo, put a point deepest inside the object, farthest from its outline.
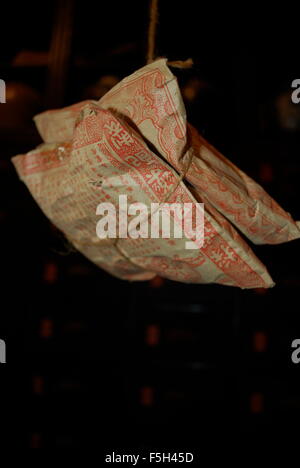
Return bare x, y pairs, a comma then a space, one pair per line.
152, 30
152, 33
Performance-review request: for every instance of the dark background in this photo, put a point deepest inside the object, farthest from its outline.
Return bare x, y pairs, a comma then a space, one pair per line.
93, 361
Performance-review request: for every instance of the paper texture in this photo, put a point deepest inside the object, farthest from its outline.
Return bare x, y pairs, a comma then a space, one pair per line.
129, 143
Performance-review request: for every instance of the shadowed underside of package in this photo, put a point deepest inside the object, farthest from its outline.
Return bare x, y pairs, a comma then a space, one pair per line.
136, 142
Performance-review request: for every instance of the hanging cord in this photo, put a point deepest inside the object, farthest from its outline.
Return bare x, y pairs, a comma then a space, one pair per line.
182, 63
153, 13
152, 32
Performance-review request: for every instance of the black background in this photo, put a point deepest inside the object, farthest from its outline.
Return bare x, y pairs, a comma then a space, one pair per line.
80, 371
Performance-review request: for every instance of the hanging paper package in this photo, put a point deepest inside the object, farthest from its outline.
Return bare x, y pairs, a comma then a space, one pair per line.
63, 176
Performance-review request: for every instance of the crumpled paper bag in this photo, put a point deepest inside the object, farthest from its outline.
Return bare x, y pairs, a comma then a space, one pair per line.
80, 165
